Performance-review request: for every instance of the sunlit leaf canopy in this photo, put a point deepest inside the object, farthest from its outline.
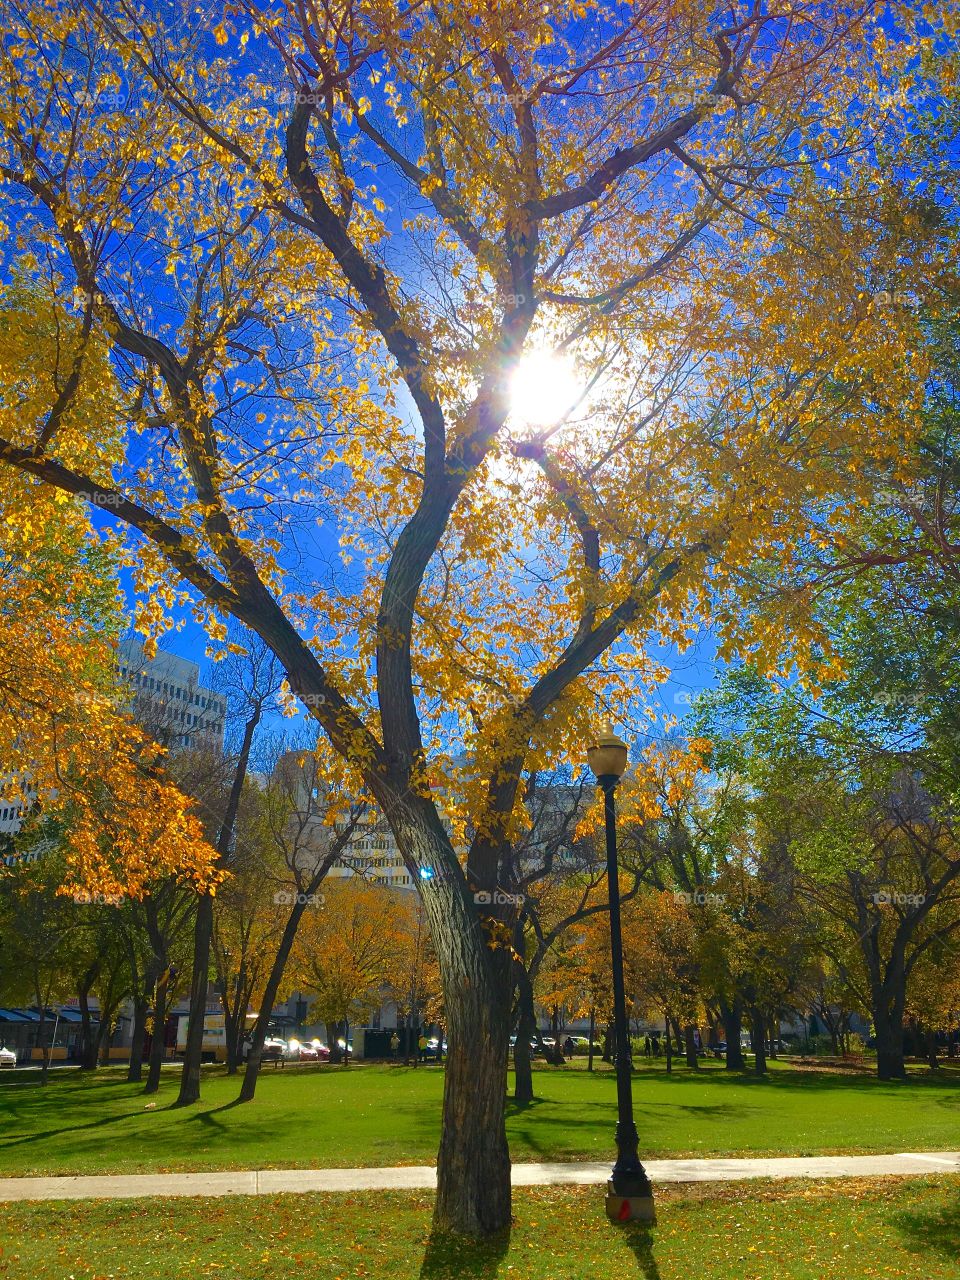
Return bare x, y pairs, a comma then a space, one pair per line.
321, 242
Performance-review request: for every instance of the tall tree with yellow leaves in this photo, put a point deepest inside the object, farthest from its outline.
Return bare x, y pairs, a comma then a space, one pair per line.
453, 280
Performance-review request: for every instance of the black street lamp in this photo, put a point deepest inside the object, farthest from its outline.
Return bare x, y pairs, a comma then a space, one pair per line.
629, 1193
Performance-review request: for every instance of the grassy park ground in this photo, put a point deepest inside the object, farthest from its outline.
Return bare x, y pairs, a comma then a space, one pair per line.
386, 1115
752, 1231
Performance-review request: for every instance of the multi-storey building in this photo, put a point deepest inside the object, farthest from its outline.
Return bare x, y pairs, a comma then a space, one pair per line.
169, 698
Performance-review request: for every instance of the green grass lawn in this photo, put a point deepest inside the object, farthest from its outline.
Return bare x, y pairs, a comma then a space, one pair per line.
376, 1115
756, 1231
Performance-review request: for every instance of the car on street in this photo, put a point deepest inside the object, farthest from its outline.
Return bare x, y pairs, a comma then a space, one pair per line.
7, 1058
306, 1051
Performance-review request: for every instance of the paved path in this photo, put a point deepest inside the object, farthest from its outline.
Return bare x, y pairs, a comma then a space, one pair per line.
262, 1182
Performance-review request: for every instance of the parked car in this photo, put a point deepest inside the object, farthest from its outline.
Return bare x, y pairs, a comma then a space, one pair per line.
581, 1044
7, 1058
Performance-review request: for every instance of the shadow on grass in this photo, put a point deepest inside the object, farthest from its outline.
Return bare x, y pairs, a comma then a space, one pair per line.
452, 1257
934, 1228
640, 1239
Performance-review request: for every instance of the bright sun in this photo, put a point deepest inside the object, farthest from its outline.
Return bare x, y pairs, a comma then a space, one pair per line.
544, 387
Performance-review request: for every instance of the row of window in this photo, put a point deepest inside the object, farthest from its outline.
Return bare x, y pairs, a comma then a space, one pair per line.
155, 685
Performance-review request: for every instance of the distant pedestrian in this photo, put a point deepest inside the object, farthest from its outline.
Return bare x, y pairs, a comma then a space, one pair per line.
394, 1044
646, 1046
422, 1045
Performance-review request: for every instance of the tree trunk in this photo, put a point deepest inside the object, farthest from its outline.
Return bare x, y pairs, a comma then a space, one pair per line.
473, 1163
157, 1045
590, 1034
690, 1046
888, 998
203, 928
249, 1087
668, 1042
890, 1063
88, 1050
135, 1069
523, 1071
42, 1042
104, 1036
774, 1037
607, 1051
677, 1034
732, 1016
199, 982
759, 1040
931, 1042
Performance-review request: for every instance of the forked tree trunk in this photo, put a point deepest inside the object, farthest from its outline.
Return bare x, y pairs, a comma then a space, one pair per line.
888, 998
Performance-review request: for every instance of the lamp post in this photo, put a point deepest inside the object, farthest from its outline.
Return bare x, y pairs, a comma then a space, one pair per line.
629, 1193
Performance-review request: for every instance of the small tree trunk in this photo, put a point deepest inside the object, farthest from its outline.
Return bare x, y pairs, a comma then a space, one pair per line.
104, 1036
88, 1051
157, 1045
931, 1043
607, 1051
135, 1069
526, 1021
759, 1038
690, 1046
203, 929
199, 981
590, 1034
733, 1025
668, 1042
259, 1034
677, 1034
42, 1041
774, 1037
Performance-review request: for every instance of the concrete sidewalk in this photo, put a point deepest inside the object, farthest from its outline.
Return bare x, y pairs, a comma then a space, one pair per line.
263, 1182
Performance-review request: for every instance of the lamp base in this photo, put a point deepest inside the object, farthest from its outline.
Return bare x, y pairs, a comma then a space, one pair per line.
623, 1207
